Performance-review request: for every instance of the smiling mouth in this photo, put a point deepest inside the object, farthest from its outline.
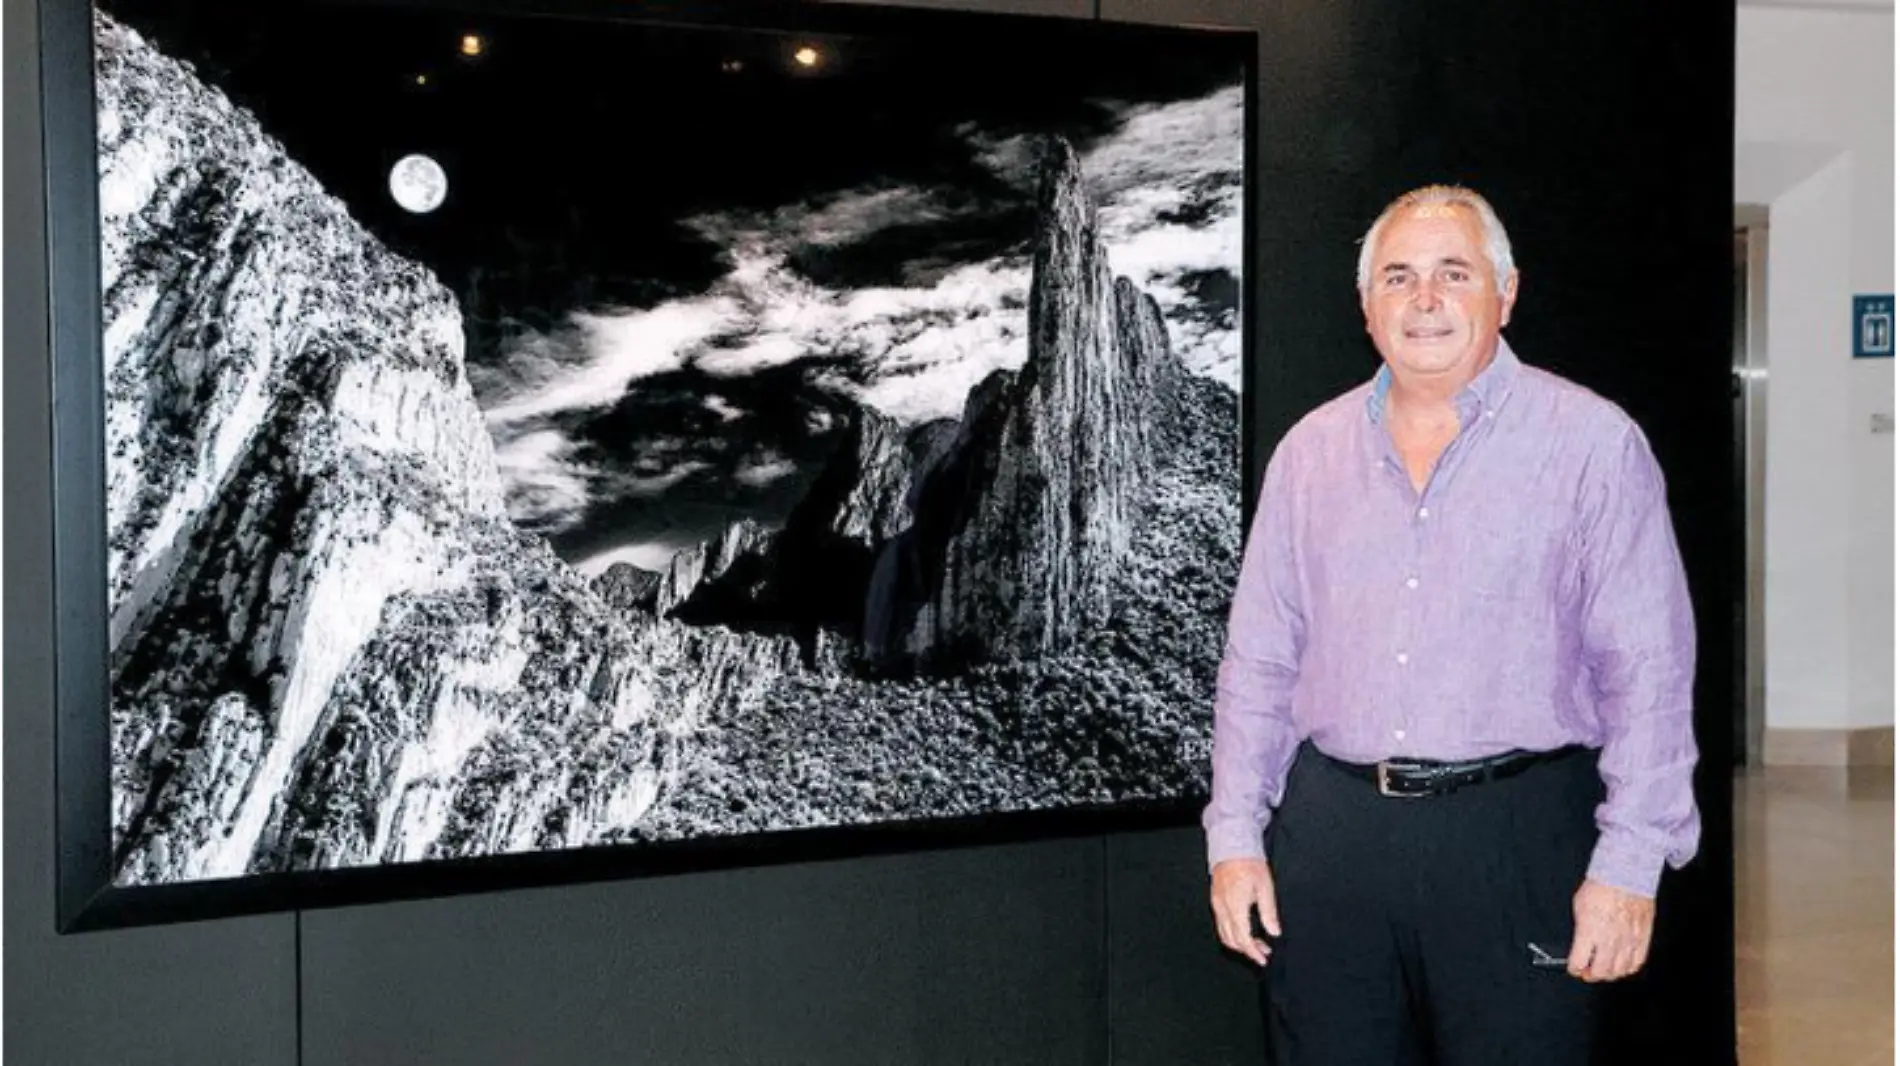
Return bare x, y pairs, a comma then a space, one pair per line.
1427, 333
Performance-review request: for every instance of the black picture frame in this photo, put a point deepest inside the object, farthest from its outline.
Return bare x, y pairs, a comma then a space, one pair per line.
87, 899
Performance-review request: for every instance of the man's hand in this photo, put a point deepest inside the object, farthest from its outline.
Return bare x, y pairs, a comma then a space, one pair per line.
1239, 886
1613, 928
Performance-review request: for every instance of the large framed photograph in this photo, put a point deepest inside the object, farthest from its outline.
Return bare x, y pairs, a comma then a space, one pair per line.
499, 448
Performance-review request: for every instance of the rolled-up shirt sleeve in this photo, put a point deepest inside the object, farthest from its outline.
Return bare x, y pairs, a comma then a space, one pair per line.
1638, 635
1254, 735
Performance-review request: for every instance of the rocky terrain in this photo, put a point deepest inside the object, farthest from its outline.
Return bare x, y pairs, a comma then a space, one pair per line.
331, 647
1121, 714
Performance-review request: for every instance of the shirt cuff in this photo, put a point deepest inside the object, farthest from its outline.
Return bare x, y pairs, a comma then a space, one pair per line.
1235, 839
1624, 863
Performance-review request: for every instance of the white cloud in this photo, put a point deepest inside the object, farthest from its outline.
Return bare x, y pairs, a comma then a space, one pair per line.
1012, 159
759, 474
547, 491
926, 346
858, 214
644, 486
620, 349
839, 218
1168, 145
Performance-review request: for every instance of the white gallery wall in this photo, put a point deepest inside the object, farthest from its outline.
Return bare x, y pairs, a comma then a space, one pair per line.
1815, 145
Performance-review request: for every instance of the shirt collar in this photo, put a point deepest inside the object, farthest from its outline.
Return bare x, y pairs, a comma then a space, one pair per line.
1486, 392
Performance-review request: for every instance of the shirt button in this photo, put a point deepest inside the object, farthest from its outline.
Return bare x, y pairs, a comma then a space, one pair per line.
1411, 582
1424, 512
1398, 734
1404, 658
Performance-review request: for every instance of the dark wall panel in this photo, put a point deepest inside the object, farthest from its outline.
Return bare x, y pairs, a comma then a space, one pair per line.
214, 993
1175, 995
1603, 134
990, 955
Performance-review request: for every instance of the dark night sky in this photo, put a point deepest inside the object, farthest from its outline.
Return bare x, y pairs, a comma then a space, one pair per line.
575, 152
613, 131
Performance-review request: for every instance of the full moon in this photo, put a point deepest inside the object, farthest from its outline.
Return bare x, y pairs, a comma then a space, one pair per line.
418, 183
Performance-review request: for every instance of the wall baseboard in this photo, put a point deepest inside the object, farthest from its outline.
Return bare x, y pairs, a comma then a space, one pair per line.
1872, 746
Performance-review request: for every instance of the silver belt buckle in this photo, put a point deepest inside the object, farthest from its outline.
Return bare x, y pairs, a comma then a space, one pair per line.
1385, 784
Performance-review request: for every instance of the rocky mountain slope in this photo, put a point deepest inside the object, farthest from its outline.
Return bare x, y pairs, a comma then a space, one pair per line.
329, 644
1122, 714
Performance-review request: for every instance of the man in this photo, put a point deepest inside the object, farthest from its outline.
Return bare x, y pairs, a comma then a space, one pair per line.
1455, 699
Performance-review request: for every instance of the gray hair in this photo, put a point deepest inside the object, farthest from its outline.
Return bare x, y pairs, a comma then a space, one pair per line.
1497, 243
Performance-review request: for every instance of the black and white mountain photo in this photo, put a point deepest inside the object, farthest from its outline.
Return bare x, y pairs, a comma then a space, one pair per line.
534, 434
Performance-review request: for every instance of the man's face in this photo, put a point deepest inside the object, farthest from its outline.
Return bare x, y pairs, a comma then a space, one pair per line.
1432, 302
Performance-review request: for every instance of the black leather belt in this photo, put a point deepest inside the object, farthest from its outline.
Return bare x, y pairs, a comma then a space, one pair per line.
1413, 778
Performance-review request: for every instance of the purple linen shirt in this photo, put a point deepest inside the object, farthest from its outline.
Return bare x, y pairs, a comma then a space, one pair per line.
1533, 596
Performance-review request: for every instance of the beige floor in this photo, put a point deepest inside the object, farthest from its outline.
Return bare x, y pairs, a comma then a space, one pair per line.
1814, 916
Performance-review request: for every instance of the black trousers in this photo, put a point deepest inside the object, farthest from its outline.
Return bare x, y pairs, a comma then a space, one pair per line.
1407, 923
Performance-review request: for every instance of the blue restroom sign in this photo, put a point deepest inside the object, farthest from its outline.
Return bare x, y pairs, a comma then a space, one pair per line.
1873, 327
